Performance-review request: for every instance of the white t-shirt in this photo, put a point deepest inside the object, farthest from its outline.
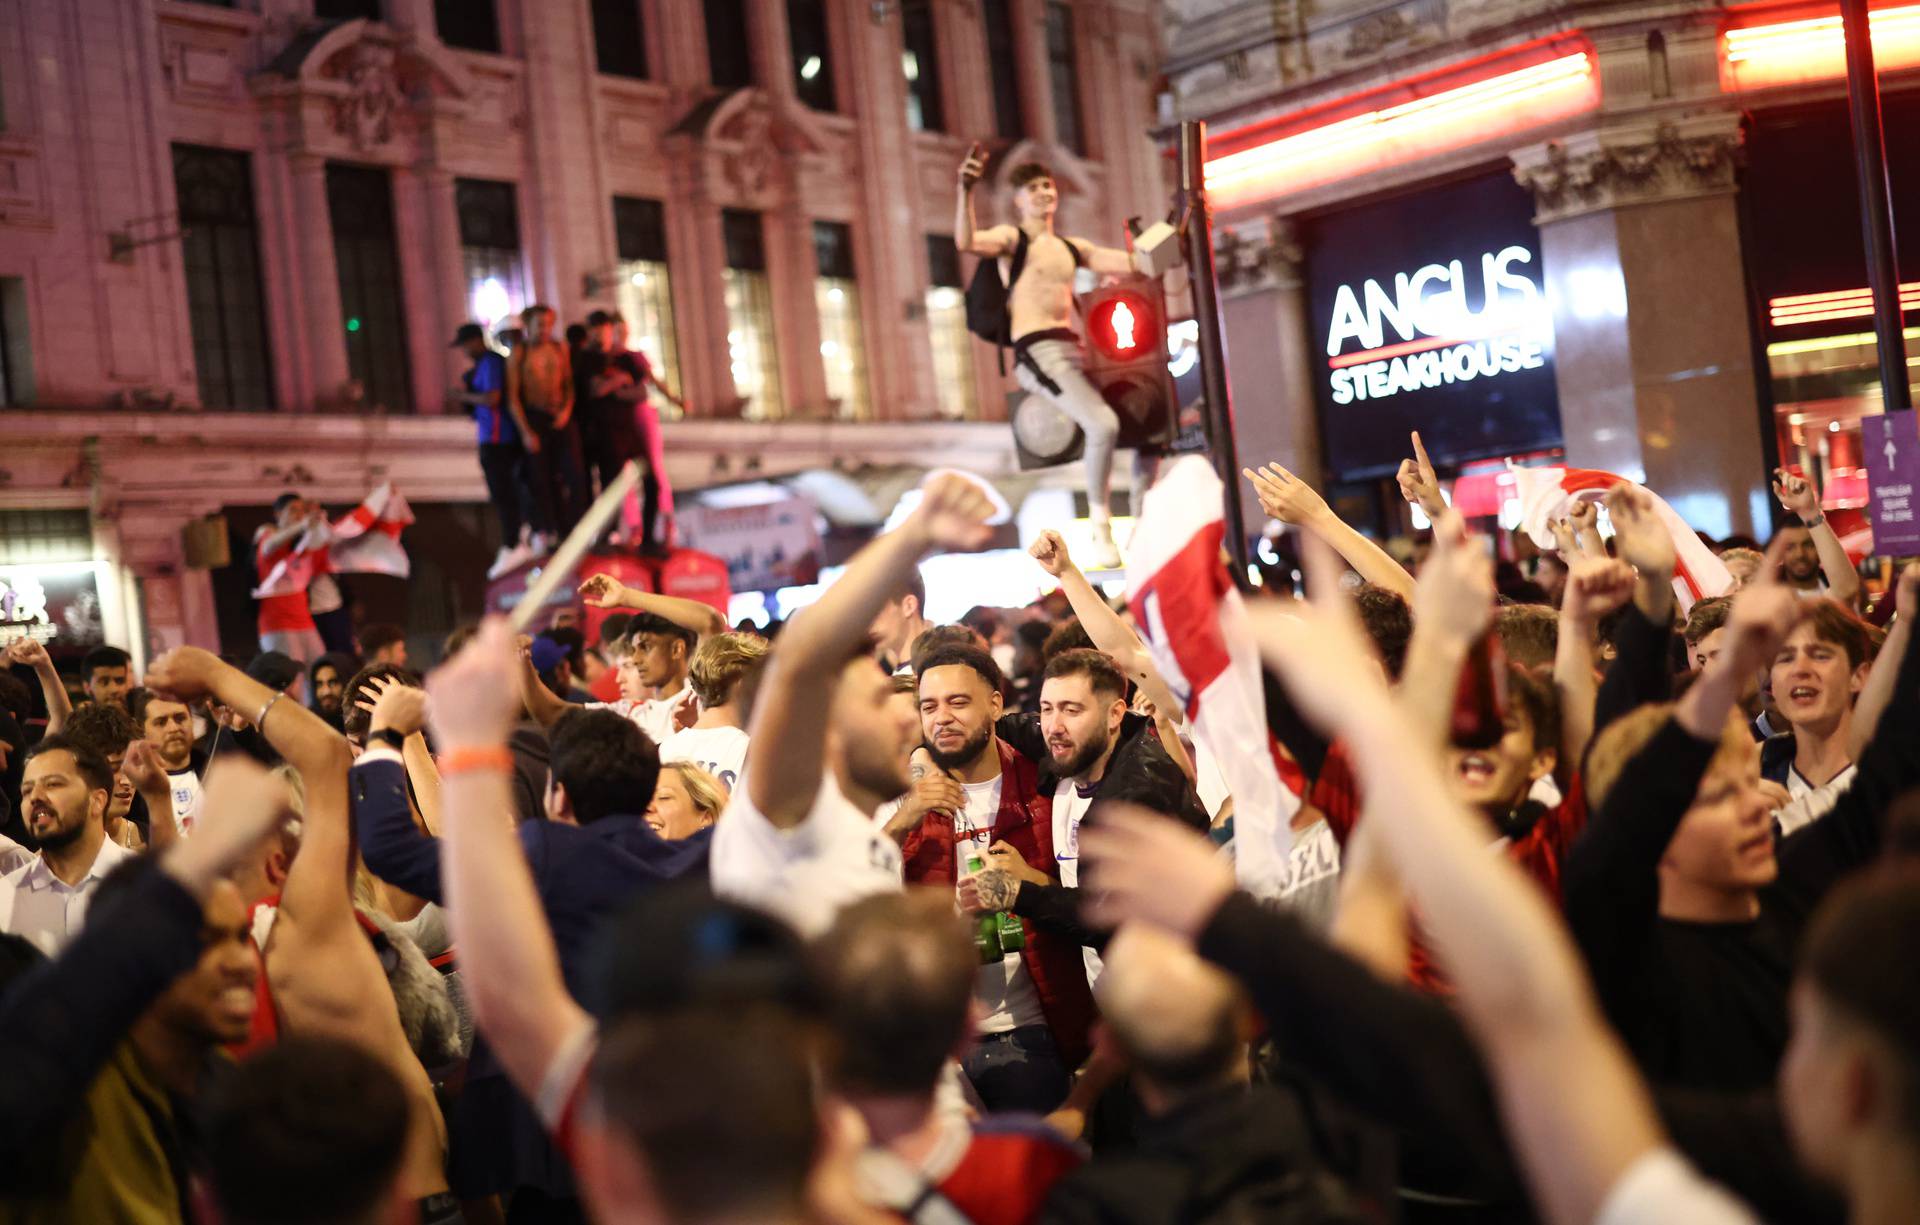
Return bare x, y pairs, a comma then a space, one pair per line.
1810, 803
185, 788
657, 718
721, 751
1069, 809
804, 875
1004, 989
1661, 1188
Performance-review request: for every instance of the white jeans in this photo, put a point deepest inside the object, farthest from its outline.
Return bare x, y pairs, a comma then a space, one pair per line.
1064, 363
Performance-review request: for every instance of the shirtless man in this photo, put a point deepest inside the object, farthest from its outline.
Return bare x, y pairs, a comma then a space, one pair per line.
1048, 358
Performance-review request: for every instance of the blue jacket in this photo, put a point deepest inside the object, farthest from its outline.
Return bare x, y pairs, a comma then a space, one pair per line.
584, 875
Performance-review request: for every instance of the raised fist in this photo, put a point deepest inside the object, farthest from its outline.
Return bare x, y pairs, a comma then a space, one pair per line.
953, 513
1051, 552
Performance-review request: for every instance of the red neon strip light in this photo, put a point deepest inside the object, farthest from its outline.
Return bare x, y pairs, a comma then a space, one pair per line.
1399, 128
1795, 310
1386, 351
1813, 49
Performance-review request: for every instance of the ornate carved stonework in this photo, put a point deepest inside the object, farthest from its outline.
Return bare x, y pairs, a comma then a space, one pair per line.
1259, 256
366, 114
1674, 160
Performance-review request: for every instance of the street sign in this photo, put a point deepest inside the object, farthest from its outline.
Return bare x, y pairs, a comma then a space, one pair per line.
1891, 451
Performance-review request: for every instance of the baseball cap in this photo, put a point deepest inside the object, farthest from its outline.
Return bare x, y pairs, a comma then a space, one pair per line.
547, 653
468, 331
274, 669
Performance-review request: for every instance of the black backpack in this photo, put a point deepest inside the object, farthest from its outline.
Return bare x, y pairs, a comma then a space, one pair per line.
987, 313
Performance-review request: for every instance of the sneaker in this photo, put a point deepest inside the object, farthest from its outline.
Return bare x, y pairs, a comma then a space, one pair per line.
541, 546
1105, 554
507, 560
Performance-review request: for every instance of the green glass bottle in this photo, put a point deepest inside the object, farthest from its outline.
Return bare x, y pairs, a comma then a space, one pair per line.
986, 930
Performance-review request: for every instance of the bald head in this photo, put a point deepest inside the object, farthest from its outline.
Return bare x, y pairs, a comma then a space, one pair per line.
1179, 1019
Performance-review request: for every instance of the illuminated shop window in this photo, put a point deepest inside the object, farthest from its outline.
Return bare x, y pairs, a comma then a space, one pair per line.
947, 328
752, 355
837, 295
1822, 388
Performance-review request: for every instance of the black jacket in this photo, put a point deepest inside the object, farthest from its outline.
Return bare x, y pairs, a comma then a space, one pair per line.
1230, 1154
1139, 772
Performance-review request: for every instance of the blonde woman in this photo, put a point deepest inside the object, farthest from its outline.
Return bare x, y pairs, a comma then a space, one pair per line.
686, 800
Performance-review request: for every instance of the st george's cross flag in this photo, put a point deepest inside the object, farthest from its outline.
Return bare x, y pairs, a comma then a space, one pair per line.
366, 540
1545, 494
1195, 626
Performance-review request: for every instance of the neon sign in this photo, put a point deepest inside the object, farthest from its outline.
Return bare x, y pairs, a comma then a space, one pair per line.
1442, 338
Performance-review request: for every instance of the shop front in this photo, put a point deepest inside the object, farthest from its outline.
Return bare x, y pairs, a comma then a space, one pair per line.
1814, 312
1632, 245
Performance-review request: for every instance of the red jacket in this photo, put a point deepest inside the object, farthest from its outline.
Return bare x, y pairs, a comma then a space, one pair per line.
1024, 822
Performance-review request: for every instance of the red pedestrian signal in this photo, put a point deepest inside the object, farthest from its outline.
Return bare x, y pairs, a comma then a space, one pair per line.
1124, 325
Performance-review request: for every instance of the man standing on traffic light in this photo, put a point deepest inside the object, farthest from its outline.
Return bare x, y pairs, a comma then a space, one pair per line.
1038, 267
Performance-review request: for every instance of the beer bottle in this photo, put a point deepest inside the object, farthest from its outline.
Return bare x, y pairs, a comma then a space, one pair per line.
986, 930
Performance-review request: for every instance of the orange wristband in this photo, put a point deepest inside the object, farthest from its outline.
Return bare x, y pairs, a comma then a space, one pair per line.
462, 761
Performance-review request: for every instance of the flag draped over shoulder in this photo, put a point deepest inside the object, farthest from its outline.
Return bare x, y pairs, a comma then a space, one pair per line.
1546, 493
366, 540
1184, 601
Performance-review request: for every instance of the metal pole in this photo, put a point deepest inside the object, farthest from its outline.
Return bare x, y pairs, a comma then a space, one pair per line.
1213, 341
1876, 218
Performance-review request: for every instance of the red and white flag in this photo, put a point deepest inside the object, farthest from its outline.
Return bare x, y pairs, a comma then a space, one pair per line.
366, 540
1195, 626
1546, 494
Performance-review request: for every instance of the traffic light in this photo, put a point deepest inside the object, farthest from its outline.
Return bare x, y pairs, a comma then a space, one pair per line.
1126, 327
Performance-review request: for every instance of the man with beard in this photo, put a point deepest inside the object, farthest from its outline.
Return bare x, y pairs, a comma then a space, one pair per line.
168, 726
327, 686
1089, 748
63, 796
830, 743
984, 802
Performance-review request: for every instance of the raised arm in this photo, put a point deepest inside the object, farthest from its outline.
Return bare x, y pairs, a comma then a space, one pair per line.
1452, 607
1576, 1108
968, 237
542, 704
1878, 691
1419, 484
1109, 633
142, 767
1642, 669
606, 591
1291, 500
395, 849
316, 889
508, 961
1595, 588
1802, 498
790, 712
34, 654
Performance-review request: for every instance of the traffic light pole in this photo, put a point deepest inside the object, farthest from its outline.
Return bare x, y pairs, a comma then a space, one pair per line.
1876, 220
1198, 231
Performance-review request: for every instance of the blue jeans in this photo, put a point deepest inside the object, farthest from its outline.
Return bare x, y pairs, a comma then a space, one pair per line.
1018, 1070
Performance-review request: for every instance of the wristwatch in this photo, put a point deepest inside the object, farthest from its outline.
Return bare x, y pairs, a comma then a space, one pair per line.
388, 736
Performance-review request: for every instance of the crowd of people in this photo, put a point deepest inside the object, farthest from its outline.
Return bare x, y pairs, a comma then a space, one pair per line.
1596, 899
557, 417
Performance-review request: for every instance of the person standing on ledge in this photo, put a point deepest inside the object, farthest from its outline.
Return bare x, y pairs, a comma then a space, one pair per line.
1049, 360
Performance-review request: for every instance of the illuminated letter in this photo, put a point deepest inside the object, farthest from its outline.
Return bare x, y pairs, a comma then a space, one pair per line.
1351, 323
